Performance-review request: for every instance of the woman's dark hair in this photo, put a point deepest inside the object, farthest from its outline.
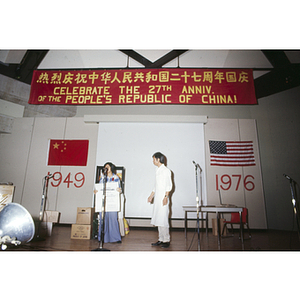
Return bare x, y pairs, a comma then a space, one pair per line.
160, 156
112, 167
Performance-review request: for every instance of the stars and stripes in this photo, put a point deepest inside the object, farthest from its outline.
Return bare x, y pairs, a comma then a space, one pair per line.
231, 153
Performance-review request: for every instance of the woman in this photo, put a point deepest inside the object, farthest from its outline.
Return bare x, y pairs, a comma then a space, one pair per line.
111, 224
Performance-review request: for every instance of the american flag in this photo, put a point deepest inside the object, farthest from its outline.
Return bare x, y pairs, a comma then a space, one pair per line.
231, 154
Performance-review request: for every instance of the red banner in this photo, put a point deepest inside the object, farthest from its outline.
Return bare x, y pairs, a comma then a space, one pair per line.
68, 152
143, 86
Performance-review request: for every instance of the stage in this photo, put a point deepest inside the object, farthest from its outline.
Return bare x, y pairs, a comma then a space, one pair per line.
140, 239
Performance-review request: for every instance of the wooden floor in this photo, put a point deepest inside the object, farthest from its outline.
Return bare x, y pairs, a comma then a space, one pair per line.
141, 239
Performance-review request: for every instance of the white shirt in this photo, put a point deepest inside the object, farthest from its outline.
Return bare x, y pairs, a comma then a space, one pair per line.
163, 184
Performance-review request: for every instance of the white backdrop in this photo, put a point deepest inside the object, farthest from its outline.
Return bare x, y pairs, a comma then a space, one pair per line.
132, 145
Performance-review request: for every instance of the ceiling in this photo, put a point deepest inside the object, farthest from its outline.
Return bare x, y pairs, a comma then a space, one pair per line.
279, 71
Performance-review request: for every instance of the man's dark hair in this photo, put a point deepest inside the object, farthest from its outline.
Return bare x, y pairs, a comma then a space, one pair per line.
160, 156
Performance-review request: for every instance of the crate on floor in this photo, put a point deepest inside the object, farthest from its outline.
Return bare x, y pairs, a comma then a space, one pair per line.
85, 215
51, 216
81, 231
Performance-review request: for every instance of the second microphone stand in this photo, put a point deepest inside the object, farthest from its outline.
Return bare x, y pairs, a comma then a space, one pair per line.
101, 229
294, 201
42, 208
197, 200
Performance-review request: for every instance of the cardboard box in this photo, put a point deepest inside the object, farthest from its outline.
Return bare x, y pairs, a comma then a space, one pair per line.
51, 216
85, 215
215, 228
81, 231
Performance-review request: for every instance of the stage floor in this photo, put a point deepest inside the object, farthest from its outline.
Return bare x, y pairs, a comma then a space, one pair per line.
140, 240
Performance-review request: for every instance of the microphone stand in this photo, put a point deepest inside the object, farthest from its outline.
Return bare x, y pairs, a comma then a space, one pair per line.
101, 242
44, 196
197, 201
294, 202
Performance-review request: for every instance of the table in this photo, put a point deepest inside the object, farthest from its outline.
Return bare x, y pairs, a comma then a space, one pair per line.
214, 209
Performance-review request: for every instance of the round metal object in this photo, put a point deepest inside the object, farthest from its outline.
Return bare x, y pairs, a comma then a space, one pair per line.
16, 222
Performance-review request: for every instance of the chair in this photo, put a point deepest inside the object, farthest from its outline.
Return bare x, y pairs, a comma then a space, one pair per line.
235, 219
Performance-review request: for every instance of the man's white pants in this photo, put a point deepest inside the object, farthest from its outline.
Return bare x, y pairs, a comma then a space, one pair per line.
163, 234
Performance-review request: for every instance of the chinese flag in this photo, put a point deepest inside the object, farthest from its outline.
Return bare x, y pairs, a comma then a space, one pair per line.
68, 152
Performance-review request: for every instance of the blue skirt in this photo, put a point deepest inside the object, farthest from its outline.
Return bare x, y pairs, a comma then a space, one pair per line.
111, 228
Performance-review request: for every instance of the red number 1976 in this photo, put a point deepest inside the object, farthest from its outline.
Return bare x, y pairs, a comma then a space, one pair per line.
226, 181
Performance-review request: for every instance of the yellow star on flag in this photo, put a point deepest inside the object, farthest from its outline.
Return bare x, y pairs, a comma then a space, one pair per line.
64, 145
55, 146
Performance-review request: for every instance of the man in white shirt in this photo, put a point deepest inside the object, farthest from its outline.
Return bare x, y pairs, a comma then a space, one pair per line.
160, 199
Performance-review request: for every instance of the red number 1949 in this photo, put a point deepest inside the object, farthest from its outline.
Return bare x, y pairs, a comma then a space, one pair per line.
78, 183
225, 182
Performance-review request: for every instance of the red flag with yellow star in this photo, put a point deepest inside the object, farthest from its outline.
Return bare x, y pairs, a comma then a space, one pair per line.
68, 152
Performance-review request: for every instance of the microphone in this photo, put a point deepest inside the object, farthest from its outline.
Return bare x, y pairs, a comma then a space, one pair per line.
287, 177
104, 171
49, 176
197, 165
